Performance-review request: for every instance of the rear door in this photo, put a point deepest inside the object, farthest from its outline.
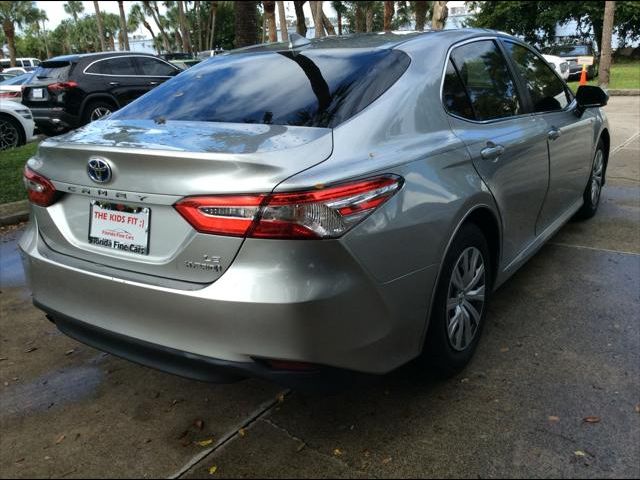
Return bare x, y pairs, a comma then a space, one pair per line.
507, 144
118, 76
154, 71
569, 136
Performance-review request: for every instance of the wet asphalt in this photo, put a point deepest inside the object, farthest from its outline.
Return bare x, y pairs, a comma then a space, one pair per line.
553, 391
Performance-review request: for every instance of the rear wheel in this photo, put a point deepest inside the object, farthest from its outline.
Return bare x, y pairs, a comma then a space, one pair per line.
593, 190
97, 110
11, 133
460, 305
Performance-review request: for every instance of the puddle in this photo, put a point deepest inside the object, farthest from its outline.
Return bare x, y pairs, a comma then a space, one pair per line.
11, 271
52, 390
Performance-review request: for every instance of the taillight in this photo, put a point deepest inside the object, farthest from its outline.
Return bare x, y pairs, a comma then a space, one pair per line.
10, 95
319, 213
61, 86
40, 190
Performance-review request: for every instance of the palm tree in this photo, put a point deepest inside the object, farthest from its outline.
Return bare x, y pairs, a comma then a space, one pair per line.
184, 28
270, 17
246, 23
388, 15
151, 8
421, 14
41, 16
74, 8
316, 13
213, 10
283, 21
137, 17
124, 35
301, 23
100, 27
14, 13
341, 10
439, 15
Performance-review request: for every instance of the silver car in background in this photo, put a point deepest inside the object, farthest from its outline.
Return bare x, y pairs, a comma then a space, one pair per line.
305, 212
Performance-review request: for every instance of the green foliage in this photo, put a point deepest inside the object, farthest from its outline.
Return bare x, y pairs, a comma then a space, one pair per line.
11, 165
536, 20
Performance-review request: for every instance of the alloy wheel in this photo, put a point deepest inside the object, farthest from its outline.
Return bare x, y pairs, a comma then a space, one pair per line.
465, 299
99, 112
596, 177
9, 135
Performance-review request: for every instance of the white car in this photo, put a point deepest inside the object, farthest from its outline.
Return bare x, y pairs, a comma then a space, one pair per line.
11, 89
560, 64
16, 125
16, 70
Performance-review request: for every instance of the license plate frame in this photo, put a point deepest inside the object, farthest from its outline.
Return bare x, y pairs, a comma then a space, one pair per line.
119, 227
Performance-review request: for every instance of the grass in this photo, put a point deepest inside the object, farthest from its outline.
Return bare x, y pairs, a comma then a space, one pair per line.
623, 75
11, 166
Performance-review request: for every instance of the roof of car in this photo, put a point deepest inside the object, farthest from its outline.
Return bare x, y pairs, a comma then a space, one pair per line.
384, 40
81, 56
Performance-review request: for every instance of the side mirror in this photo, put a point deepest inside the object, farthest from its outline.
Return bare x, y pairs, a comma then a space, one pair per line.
589, 96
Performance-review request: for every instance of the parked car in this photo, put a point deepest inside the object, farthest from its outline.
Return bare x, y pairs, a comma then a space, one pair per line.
16, 125
300, 214
559, 64
11, 89
20, 62
571, 53
5, 76
69, 91
18, 70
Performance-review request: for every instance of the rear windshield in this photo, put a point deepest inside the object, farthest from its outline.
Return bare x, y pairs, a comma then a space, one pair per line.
311, 88
54, 70
569, 51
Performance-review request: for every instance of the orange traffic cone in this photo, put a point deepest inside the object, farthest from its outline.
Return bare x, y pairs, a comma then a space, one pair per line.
583, 75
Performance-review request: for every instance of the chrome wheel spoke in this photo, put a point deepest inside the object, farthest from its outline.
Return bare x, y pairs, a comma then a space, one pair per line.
476, 295
468, 333
470, 309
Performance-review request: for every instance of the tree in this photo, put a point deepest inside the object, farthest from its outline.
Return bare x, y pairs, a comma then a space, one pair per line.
213, 10
439, 15
151, 8
41, 33
536, 21
605, 54
96, 6
341, 10
301, 22
316, 13
12, 14
283, 21
270, 17
124, 35
246, 23
388, 15
74, 8
420, 9
184, 28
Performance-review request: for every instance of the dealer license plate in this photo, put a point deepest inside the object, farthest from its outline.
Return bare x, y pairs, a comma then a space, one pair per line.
119, 227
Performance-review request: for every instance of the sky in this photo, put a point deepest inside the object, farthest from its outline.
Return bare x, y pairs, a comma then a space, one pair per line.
55, 10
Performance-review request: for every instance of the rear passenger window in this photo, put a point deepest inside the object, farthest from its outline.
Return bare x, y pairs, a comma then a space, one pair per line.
489, 85
454, 95
155, 68
547, 91
113, 66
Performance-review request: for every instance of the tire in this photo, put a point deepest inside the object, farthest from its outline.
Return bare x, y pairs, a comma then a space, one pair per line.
97, 109
12, 133
593, 190
448, 354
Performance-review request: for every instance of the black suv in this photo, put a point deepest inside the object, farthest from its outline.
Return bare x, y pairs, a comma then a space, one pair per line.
73, 90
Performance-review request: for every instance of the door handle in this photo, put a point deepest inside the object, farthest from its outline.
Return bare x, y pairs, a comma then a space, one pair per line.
114, 84
554, 133
153, 83
492, 151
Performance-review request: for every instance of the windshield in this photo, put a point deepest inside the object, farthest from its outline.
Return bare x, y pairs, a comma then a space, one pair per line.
19, 80
570, 50
310, 88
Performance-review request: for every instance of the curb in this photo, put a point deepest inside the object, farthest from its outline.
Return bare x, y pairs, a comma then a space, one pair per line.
624, 93
15, 212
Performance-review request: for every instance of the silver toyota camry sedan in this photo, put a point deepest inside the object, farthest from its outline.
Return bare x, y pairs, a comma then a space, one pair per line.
312, 211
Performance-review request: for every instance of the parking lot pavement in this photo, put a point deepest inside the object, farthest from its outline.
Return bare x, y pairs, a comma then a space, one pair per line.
562, 344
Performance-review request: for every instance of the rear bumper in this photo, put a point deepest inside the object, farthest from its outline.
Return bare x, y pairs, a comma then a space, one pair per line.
197, 367
54, 118
299, 303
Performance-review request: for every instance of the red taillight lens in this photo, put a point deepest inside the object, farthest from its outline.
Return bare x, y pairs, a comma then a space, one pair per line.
61, 86
40, 190
10, 95
320, 213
